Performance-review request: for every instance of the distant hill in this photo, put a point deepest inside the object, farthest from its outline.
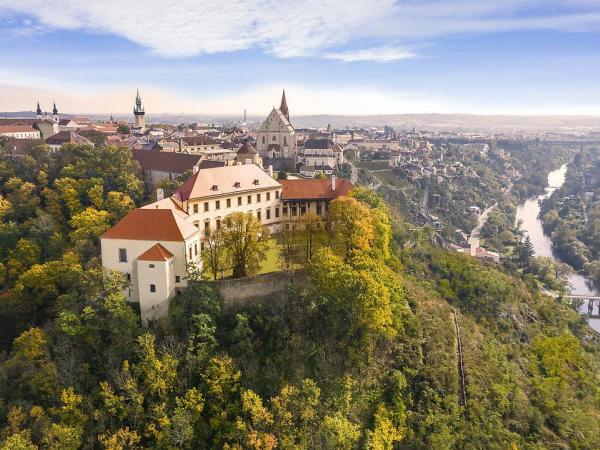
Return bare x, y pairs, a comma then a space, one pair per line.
450, 122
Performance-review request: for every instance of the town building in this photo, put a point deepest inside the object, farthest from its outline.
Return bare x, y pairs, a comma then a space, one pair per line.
153, 248
56, 141
276, 138
158, 166
20, 132
321, 152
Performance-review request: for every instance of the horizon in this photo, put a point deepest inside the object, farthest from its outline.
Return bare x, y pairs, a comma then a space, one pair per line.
515, 57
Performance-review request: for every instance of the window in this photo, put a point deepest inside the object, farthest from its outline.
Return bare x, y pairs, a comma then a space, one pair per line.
239, 201
205, 206
263, 140
152, 288
195, 249
268, 213
268, 196
206, 227
274, 138
128, 276
319, 209
177, 279
218, 222
276, 211
294, 210
152, 266
195, 208
258, 214
285, 210
302, 210
190, 252
249, 199
201, 246
276, 194
217, 204
197, 224
123, 255
284, 141
229, 203
258, 197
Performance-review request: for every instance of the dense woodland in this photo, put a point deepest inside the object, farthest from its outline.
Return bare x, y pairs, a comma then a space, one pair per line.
364, 354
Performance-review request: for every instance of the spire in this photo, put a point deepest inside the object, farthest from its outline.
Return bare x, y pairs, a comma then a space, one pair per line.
138, 104
54, 109
38, 111
284, 107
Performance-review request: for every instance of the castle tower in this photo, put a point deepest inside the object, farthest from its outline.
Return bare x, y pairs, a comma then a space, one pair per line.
38, 112
138, 112
54, 113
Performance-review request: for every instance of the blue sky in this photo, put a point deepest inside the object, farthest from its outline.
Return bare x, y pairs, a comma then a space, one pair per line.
331, 56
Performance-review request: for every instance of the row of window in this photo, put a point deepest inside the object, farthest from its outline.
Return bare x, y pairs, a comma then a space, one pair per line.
228, 201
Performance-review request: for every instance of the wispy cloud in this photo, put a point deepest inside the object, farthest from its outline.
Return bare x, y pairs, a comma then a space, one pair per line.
377, 54
289, 28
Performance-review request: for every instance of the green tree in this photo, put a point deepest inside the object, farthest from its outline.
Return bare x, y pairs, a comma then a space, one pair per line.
351, 225
247, 240
214, 255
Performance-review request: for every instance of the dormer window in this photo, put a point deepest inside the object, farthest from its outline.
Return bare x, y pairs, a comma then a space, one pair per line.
255, 182
237, 184
215, 187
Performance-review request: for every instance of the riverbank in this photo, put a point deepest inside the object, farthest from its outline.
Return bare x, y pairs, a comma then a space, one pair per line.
531, 224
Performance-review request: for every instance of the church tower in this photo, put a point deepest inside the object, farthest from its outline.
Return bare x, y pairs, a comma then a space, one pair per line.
55, 113
138, 112
38, 112
284, 107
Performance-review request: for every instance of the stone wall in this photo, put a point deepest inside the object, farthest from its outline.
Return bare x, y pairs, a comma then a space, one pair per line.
235, 292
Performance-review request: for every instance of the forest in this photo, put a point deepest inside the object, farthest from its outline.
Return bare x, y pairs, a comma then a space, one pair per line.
367, 354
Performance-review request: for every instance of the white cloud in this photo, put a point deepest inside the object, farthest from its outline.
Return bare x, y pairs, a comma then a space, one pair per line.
377, 54
289, 28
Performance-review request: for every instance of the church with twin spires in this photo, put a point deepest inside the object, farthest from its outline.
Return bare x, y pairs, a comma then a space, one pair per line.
276, 139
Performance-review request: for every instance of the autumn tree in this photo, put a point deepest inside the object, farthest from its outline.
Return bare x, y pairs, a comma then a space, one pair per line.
214, 255
351, 225
246, 239
309, 225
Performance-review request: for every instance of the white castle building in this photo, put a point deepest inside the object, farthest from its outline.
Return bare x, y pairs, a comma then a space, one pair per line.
155, 244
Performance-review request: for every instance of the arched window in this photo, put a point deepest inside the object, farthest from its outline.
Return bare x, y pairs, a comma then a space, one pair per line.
263, 139
284, 141
274, 138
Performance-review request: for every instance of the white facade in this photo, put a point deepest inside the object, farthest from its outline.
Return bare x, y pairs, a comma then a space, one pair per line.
20, 132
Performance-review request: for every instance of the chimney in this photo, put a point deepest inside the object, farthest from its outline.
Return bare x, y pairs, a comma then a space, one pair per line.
160, 195
195, 170
270, 170
333, 182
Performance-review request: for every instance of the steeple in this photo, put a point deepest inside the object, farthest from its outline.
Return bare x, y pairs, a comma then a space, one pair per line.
284, 107
138, 112
38, 111
55, 112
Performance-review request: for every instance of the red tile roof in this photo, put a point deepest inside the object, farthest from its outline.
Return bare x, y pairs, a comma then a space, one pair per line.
156, 253
315, 189
151, 225
17, 129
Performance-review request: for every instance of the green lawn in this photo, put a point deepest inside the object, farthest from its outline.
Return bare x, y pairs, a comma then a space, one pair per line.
271, 262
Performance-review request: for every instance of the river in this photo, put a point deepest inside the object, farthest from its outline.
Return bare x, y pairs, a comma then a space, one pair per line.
528, 212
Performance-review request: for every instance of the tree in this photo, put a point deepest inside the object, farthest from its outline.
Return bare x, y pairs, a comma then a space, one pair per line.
309, 225
288, 250
123, 129
525, 252
247, 240
351, 225
214, 255
87, 226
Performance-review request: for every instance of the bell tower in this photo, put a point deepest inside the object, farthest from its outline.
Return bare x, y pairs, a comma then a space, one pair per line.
138, 112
